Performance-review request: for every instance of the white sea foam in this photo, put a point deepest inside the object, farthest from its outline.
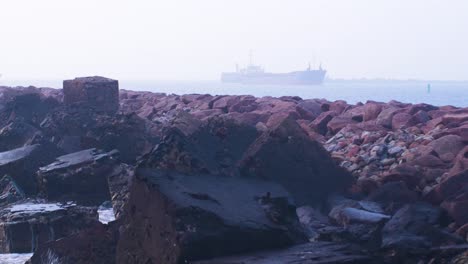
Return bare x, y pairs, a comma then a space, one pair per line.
31, 207
14, 258
106, 215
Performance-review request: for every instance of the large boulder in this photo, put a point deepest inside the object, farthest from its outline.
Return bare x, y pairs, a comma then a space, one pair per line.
451, 186
372, 110
309, 108
461, 162
215, 147
339, 122
286, 155
9, 191
447, 147
385, 117
30, 108
402, 120
22, 163
80, 177
320, 123
393, 195
94, 244
310, 253
16, 134
97, 93
414, 229
26, 225
119, 182
175, 218
457, 206
76, 129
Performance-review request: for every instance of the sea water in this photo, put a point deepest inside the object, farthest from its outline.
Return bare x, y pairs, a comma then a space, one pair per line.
440, 93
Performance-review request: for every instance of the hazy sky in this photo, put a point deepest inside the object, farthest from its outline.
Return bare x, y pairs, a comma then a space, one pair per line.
197, 39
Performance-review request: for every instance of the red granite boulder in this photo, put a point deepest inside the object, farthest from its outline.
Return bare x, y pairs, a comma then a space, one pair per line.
447, 147
372, 110
320, 123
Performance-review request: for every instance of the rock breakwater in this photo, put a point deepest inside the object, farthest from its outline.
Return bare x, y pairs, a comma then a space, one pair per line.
197, 178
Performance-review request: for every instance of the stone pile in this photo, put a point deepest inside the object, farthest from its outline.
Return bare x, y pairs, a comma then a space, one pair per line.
198, 178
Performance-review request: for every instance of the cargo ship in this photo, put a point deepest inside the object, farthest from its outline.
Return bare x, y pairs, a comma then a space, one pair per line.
254, 74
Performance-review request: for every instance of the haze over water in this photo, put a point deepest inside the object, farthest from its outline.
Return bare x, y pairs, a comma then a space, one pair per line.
441, 92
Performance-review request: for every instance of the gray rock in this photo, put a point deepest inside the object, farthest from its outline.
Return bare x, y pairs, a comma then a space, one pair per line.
345, 216
191, 217
9, 191
22, 163
311, 253
79, 177
28, 224
414, 229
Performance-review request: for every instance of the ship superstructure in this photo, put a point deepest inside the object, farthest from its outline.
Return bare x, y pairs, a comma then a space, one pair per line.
255, 74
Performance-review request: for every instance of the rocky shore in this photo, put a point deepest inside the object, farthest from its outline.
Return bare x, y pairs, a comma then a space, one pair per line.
229, 179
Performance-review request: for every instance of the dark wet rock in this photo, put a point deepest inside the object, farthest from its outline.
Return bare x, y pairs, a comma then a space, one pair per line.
216, 147
10, 192
414, 229
457, 205
172, 218
428, 160
312, 220
451, 186
27, 225
16, 134
30, 108
95, 244
287, 155
97, 93
22, 163
409, 174
79, 177
120, 181
393, 195
311, 253
77, 129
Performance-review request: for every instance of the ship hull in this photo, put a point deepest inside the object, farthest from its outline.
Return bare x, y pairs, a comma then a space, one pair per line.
293, 78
